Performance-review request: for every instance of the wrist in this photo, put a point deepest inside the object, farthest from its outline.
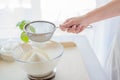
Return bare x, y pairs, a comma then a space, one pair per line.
84, 20
88, 19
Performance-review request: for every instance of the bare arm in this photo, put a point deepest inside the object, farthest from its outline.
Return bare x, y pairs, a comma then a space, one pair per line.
78, 24
110, 10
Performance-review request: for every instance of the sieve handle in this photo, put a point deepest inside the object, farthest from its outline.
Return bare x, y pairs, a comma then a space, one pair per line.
89, 27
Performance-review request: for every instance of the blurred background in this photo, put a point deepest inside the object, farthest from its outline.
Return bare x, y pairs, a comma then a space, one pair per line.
56, 11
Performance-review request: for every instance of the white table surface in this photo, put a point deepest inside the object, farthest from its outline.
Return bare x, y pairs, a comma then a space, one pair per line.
70, 67
91, 62
94, 68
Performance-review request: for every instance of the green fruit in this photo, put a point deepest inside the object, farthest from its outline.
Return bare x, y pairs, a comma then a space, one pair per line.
24, 37
22, 24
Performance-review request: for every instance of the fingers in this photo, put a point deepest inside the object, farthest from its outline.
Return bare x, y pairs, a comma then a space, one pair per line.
67, 24
73, 25
72, 29
75, 29
80, 28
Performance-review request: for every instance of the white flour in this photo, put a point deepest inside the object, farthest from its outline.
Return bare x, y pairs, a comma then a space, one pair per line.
39, 62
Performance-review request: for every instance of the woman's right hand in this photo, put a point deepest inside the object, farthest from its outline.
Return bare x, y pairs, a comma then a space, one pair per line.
74, 24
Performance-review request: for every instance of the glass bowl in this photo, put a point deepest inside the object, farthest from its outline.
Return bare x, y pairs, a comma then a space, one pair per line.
39, 60
6, 49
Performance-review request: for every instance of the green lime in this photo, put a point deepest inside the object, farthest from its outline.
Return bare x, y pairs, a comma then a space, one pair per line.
22, 24
24, 37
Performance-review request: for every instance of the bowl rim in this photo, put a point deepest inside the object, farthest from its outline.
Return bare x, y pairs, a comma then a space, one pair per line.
55, 58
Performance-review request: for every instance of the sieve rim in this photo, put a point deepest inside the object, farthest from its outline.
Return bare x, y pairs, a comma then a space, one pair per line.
39, 21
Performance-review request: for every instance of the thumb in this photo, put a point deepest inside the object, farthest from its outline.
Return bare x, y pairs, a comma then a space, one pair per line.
68, 24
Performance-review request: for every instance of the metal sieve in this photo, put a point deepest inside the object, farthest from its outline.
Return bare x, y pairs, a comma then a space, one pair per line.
40, 31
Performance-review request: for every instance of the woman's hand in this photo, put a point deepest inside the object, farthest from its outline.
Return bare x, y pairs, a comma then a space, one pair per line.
75, 24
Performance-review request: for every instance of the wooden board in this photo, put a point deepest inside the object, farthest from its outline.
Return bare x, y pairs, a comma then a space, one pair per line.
70, 67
